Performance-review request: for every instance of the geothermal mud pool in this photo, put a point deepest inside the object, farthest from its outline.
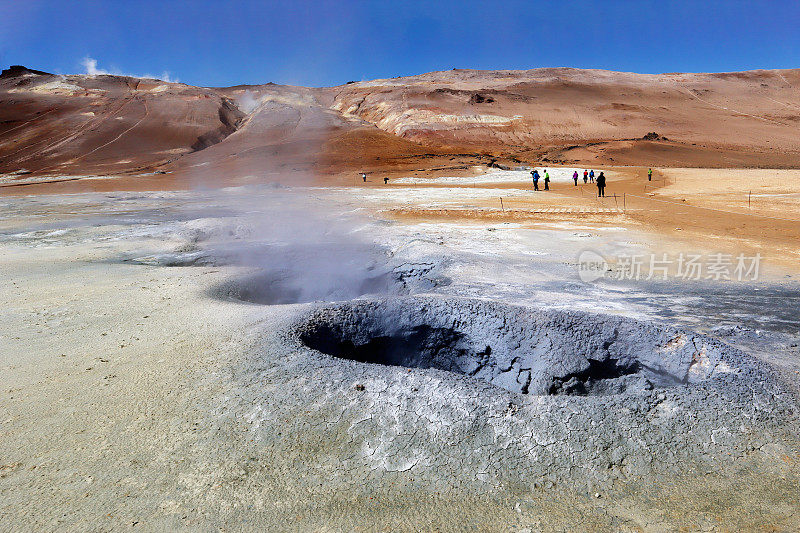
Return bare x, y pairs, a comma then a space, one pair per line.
520, 350
362, 372
459, 389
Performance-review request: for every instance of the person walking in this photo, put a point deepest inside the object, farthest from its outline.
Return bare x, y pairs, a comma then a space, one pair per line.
535, 180
649, 174
575, 177
363, 177
591, 176
601, 185
585, 175
546, 180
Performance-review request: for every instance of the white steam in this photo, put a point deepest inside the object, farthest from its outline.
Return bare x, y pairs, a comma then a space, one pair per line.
297, 248
164, 77
90, 66
247, 102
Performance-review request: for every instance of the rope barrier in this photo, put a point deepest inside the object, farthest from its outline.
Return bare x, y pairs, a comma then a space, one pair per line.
714, 209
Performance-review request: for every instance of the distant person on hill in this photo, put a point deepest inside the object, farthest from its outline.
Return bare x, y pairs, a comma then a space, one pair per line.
546, 180
649, 174
591, 176
575, 177
601, 185
385, 181
585, 175
535, 175
363, 177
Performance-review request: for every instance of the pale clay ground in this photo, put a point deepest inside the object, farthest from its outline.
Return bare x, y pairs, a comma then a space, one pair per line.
117, 374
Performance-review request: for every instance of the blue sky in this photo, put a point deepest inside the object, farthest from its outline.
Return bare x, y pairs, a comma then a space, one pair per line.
331, 42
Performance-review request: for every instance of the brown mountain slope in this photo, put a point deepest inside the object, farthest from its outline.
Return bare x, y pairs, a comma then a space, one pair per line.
706, 117
104, 124
295, 129
84, 125
109, 125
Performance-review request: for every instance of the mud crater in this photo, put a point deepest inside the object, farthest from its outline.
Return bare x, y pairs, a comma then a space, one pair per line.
278, 286
284, 286
522, 350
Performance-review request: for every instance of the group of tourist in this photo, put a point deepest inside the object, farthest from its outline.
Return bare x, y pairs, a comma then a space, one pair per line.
588, 177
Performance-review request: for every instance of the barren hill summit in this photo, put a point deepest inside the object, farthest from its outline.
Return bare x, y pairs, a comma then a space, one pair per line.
88, 125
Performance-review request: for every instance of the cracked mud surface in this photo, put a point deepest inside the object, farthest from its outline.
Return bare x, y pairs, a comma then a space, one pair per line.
377, 419
533, 351
699, 404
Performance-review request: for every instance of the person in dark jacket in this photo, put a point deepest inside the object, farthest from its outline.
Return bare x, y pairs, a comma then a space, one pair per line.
591, 176
601, 185
535, 177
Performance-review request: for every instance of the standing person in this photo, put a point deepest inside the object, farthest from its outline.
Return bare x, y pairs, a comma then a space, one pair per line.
585, 175
575, 177
546, 180
591, 175
385, 181
364, 177
535, 180
533, 175
649, 174
601, 185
